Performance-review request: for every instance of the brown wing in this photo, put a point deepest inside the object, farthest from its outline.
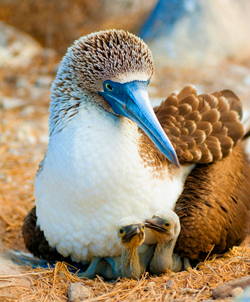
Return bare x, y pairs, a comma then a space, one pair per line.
214, 207
202, 128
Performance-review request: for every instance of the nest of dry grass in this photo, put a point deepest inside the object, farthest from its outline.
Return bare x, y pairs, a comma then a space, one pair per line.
193, 285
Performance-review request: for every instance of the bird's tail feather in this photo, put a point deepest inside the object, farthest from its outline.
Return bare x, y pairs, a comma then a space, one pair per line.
22, 258
27, 259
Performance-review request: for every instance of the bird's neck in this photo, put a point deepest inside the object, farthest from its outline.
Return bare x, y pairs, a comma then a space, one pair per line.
163, 257
66, 104
130, 263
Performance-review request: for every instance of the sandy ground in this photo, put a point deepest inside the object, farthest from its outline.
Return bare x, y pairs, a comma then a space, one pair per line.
24, 101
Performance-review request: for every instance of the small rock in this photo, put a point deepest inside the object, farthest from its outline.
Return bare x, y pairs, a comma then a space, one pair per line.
224, 290
78, 292
170, 284
236, 291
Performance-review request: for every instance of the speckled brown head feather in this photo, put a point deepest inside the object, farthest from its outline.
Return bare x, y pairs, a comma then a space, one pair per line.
104, 55
203, 128
112, 54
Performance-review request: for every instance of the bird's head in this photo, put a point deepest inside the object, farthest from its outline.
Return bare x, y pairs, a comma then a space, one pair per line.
165, 224
113, 68
130, 232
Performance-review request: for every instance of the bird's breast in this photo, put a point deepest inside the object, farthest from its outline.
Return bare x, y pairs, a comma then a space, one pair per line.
92, 177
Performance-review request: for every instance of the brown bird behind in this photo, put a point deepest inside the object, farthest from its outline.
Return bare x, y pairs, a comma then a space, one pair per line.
214, 205
203, 128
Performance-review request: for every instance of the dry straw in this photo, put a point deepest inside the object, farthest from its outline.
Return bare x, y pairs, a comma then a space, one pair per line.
193, 285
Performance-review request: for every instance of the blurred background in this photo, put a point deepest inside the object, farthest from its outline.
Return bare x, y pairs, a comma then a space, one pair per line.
198, 37
205, 43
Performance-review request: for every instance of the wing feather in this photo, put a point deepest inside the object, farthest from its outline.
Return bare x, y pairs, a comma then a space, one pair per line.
214, 207
203, 128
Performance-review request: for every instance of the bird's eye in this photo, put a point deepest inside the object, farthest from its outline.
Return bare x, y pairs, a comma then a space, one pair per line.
167, 224
109, 87
143, 227
121, 231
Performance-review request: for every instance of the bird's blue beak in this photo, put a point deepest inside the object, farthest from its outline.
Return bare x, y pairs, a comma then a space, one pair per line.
131, 100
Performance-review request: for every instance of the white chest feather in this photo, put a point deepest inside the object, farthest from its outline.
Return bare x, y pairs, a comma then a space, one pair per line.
92, 177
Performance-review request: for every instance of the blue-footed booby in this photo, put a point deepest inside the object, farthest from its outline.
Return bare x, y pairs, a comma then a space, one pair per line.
110, 155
